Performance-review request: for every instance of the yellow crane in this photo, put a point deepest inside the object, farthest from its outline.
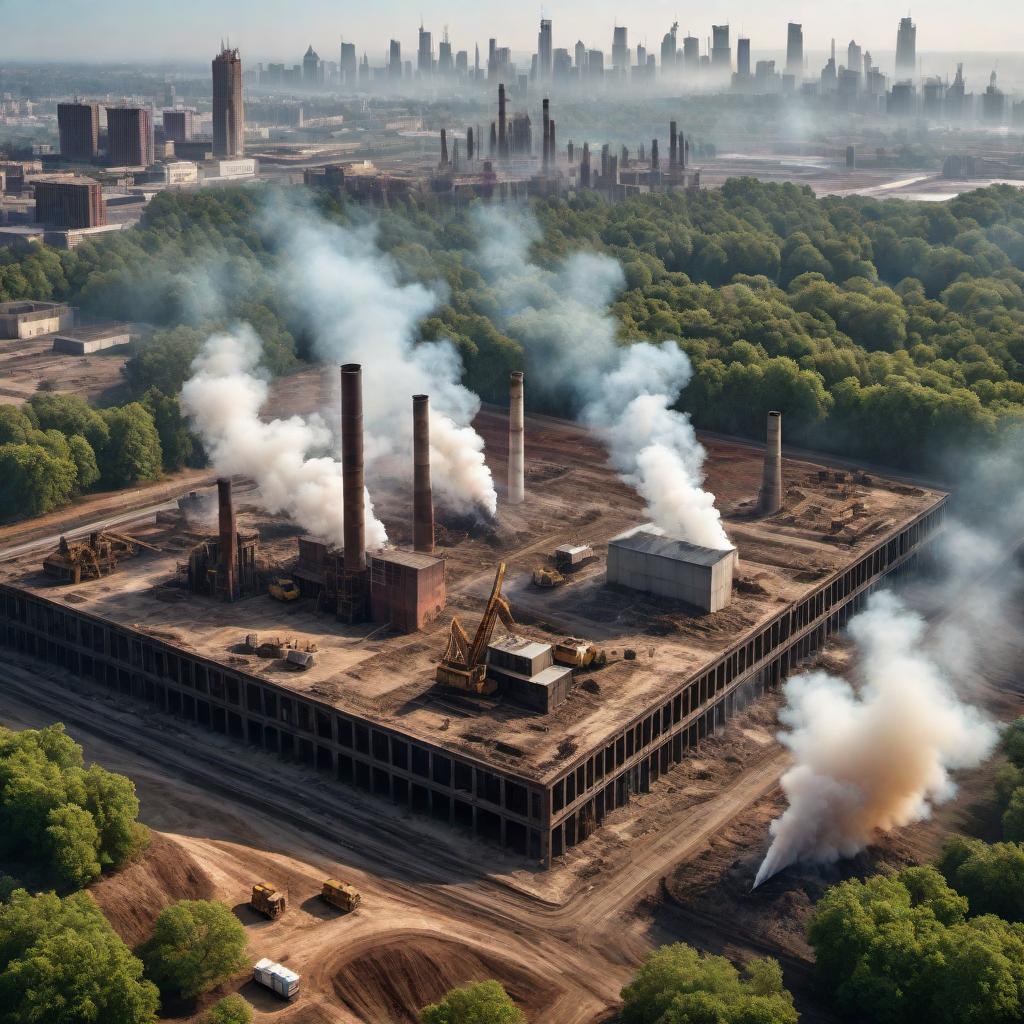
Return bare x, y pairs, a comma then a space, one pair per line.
463, 666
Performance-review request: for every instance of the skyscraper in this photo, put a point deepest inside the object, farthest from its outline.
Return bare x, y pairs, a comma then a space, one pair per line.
544, 52
228, 111
795, 50
906, 49
721, 54
668, 49
854, 57
70, 203
395, 61
311, 70
78, 125
129, 136
743, 57
179, 125
348, 65
445, 63
620, 49
425, 53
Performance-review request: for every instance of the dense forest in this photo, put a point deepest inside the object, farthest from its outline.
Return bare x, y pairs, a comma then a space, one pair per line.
889, 331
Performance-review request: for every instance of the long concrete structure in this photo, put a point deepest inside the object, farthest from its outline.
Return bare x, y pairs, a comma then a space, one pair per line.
538, 809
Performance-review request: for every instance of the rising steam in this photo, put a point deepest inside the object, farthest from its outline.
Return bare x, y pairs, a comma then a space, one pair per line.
875, 760
626, 394
223, 399
348, 295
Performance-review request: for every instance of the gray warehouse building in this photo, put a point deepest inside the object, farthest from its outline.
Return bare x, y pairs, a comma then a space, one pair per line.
647, 560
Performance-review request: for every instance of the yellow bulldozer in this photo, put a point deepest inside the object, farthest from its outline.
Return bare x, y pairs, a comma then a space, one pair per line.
463, 665
577, 653
342, 895
283, 588
546, 578
267, 900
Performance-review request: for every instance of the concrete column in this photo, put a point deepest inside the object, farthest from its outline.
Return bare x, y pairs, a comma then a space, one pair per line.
516, 479
771, 487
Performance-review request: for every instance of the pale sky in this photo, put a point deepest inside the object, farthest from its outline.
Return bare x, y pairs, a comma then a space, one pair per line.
281, 30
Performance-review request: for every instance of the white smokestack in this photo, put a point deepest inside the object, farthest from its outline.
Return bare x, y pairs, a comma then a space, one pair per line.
356, 309
223, 399
626, 393
875, 760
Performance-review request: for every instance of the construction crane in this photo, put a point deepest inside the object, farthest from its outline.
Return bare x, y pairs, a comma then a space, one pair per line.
463, 666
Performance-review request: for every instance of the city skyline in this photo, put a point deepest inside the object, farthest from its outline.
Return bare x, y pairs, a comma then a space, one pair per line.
120, 29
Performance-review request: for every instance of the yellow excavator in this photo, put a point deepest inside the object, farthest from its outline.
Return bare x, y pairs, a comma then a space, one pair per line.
463, 665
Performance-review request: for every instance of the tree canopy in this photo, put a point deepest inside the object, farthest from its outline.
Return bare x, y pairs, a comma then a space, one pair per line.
484, 1002
62, 963
679, 985
196, 944
232, 1009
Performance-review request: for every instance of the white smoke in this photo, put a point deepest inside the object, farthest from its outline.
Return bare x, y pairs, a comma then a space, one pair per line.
223, 400
349, 296
626, 394
870, 761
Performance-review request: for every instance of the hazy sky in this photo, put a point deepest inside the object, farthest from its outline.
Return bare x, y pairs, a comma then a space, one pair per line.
278, 29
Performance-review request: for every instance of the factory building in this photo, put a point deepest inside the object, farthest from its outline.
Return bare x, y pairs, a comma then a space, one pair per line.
24, 319
646, 560
70, 203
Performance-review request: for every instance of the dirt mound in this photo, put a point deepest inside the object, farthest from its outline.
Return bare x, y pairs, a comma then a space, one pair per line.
393, 980
133, 897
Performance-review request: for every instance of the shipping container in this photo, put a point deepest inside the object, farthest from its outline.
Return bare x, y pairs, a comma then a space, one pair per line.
278, 979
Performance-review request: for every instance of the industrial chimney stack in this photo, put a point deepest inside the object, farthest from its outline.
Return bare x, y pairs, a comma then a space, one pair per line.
516, 482
770, 501
352, 466
227, 569
422, 499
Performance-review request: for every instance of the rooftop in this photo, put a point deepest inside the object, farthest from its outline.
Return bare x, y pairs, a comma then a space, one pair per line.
651, 541
829, 520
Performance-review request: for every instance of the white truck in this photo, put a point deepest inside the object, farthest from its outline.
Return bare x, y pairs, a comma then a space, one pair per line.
278, 979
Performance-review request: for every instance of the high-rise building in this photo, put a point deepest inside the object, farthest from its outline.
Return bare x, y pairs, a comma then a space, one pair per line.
445, 63
668, 49
691, 54
561, 65
129, 136
78, 125
425, 53
348, 65
795, 50
228, 109
545, 63
312, 71
595, 63
620, 49
743, 57
906, 49
721, 53
462, 62
854, 57
179, 125
395, 61
70, 203
580, 54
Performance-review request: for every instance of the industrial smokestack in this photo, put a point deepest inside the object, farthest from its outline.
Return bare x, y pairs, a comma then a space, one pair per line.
546, 131
672, 143
771, 488
516, 480
352, 486
502, 134
422, 499
228, 534
493, 141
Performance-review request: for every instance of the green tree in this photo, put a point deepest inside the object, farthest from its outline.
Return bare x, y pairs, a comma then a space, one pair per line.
196, 944
1013, 742
177, 443
111, 801
84, 458
62, 963
74, 843
484, 1002
1013, 817
678, 985
232, 1009
133, 452
35, 480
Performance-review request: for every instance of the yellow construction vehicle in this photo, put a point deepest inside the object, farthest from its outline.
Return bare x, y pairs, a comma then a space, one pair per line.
283, 588
577, 653
546, 578
267, 900
463, 665
341, 895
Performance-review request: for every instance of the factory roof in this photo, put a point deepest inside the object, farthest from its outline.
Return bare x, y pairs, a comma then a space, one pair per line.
521, 646
389, 679
649, 540
412, 559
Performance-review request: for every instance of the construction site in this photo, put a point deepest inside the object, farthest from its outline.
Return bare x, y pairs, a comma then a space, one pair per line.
519, 678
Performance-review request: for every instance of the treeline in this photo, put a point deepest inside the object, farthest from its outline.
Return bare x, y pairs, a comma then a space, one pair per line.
886, 330
61, 825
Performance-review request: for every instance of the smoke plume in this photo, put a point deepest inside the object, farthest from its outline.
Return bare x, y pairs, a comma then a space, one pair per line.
223, 399
873, 760
626, 394
349, 296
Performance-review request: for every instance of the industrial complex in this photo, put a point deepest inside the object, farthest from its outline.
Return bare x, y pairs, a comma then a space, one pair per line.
517, 678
